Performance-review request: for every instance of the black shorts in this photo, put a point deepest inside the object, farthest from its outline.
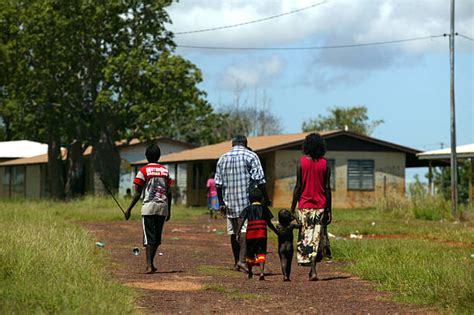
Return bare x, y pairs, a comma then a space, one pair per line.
152, 229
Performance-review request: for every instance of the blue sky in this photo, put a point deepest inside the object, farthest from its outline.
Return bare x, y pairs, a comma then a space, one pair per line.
405, 84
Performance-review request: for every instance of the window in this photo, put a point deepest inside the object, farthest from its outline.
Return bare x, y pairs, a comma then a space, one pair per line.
360, 175
6, 181
332, 166
14, 181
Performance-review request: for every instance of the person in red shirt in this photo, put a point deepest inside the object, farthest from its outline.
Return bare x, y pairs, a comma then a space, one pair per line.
212, 199
313, 194
154, 179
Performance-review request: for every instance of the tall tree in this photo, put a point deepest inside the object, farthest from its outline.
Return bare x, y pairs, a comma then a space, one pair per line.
250, 120
355, 118
93, 72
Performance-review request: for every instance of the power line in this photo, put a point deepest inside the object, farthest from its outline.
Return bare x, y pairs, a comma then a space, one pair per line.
466, 37
250, 22
314, 47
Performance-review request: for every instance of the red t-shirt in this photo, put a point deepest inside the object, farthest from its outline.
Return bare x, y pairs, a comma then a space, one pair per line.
313, 177
211, 186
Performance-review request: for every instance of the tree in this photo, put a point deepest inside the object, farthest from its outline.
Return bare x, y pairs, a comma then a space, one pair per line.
93, 72
355, 118
256, 120
442, 181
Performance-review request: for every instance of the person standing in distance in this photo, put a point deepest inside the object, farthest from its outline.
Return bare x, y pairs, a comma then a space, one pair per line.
237, 171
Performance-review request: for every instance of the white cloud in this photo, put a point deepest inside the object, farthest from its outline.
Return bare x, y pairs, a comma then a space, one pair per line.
252, 73
333, 23
336, 21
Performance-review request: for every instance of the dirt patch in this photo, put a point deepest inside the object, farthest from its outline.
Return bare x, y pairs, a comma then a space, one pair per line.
194, 276
167, 285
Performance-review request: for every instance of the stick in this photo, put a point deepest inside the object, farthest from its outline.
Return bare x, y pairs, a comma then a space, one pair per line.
110, 193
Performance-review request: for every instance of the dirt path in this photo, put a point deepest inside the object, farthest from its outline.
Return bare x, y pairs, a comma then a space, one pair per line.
195, 277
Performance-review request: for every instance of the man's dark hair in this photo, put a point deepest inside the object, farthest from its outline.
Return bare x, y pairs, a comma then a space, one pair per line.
153, 153
255, 195
239, 140
284, 217
314, 146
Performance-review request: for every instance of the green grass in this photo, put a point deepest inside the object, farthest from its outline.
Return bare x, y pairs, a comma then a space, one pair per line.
415, 271
210, 270
87, 209
51, 266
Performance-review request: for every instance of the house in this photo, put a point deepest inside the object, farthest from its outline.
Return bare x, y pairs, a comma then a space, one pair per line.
364, 168
463, 152
28, 176
10, 150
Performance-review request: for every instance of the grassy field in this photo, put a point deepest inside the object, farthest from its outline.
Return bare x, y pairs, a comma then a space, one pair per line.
50, 265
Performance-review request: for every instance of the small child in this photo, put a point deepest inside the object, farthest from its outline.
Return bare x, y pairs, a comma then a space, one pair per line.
259, 217
154, 179
285, 241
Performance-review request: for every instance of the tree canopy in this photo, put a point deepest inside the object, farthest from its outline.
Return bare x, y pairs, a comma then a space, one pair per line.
355, 118
85, 73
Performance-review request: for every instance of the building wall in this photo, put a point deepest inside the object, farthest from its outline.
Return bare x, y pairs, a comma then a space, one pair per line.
33, 181
136, 153
197, 175
2, 192
389, 177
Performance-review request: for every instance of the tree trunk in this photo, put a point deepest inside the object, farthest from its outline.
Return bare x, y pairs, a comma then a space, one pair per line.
105, 165
55, 170
75, 170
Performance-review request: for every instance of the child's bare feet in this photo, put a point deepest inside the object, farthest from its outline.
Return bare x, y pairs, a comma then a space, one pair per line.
261, 278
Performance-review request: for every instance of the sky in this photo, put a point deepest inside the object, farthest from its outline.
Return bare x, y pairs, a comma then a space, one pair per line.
406, 84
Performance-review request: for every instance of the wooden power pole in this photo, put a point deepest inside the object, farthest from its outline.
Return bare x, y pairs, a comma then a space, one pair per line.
454, 164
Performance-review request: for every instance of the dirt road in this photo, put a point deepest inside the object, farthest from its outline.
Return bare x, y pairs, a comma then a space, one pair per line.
194, 276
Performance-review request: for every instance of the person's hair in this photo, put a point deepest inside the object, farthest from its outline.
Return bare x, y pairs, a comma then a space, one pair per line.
239, 140
212, 174
153, 153
314, 146
285, 217
255, 195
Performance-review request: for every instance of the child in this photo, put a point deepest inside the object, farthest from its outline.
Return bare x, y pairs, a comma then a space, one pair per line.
285, 241
156, 207
212, 199
259, 217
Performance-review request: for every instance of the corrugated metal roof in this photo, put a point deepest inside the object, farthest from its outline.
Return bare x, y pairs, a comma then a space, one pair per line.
257, 144
21, 149
463, 152
39, 159
265, 144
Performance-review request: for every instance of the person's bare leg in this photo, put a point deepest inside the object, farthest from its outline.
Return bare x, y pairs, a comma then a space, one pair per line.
153, 254
149, 258
262, 270
235, 249
312, 274
242, 248
284, 263
289, 259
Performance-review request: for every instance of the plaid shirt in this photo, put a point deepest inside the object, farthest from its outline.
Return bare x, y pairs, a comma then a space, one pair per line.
236, 171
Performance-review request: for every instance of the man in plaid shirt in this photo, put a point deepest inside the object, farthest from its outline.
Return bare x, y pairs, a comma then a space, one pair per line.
237, 171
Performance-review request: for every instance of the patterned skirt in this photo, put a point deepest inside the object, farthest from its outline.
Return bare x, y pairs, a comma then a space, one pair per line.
313, 242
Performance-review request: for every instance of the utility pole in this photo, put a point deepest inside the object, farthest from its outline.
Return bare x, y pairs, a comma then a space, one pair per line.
454, 162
